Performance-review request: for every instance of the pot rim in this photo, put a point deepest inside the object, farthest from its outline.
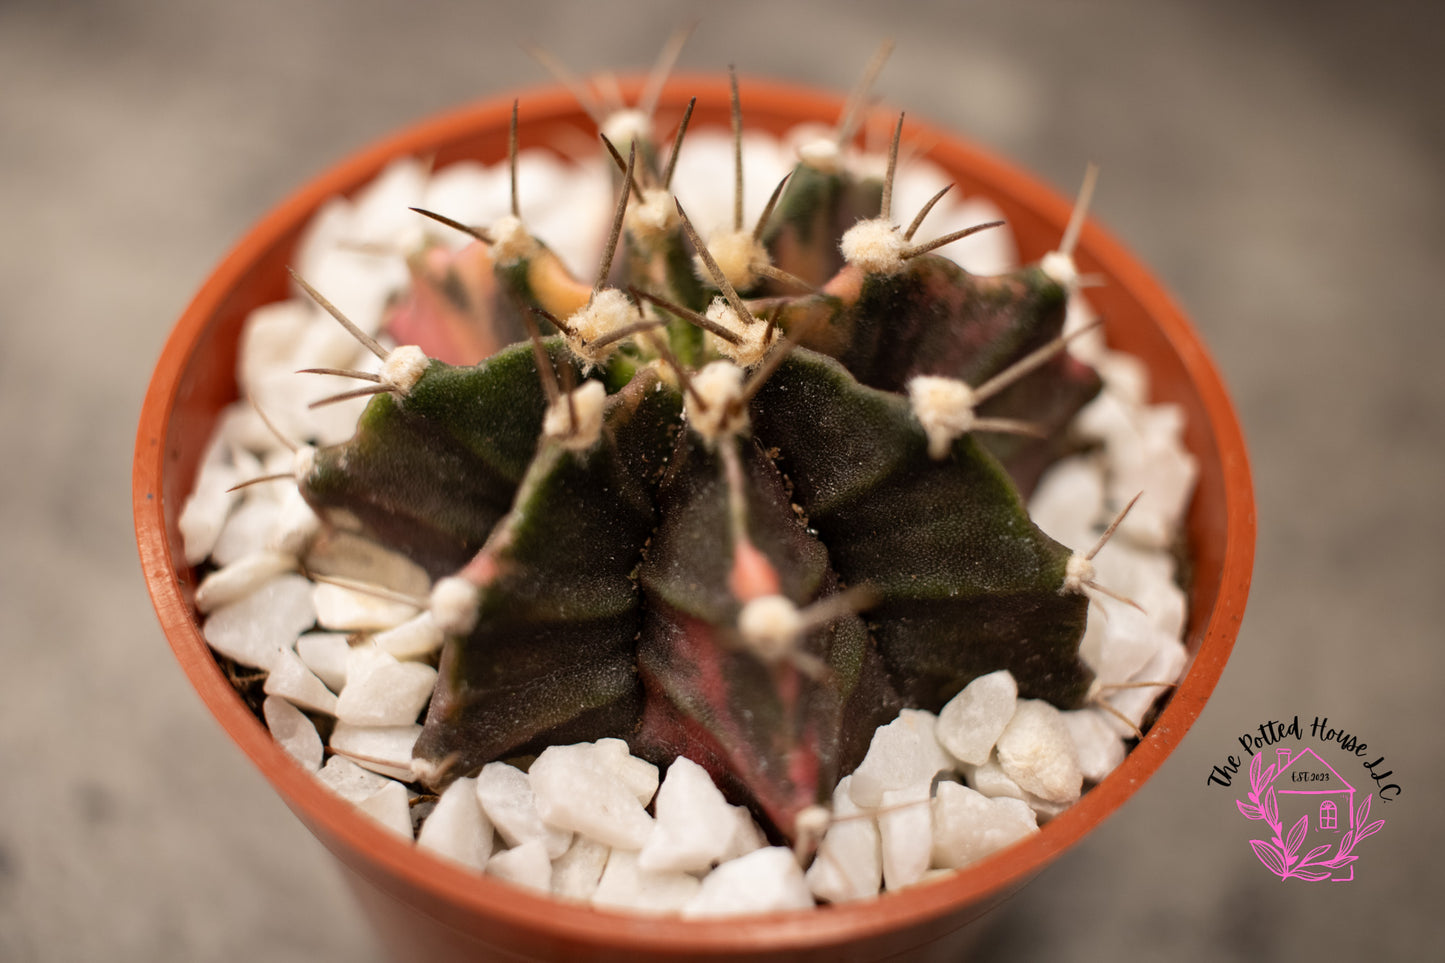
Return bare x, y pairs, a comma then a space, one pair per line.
458, 893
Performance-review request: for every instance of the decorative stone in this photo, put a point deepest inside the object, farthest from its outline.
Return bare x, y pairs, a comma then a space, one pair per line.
346, 555
506, 797
389, 693
693, 822
990, 780
348, 780
746, 835
1036, 752
577, 791
576, 873
391, 806
239, 579
1068, 501
766, 881
902, 754
255, 629
346, 610
1098, 747
638, 775
849, 864
325, 653
246, 531
291, 680
415, 638
905, 830
290, 727
523, 865
624, 886
383, 749
971, 722
457, 828
967, 826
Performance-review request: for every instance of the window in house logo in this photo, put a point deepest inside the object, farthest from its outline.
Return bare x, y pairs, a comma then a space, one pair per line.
1325, 821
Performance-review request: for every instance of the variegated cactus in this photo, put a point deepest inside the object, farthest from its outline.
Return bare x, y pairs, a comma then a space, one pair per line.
739, 500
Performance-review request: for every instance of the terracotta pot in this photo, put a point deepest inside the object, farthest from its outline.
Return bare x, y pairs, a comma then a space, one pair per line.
425, 908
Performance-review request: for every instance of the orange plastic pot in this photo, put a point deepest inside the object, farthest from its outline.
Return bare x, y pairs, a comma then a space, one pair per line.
427, 909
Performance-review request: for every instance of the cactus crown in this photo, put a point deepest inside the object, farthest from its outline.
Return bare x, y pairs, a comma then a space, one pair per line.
739, 499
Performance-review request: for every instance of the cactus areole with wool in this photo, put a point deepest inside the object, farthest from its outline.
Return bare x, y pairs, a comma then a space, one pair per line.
739, 499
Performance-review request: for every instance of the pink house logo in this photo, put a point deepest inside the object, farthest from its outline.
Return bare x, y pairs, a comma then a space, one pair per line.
1325, 823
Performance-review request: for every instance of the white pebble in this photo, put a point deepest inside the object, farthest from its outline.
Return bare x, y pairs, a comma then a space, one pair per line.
902, 754
1098, 747
967, 826
624, 886
345, 610
239, 579
990, 780
575, 791
294, 525
1068, 501
383, 749
1036, 752
849, 862
348, 780
1134, 703
325, 653
507, 799
746, 835
695, 824
576, 873
205, 512
290, 727
254, 630
388, 693
524, 865
972, 721
638, 775
1125, 375
457, 828
268, 338
349, 556
905, 830
1156, 463
391, 806
381, 208
415, 638
1118, 640
766, 881
246, 531
291, 680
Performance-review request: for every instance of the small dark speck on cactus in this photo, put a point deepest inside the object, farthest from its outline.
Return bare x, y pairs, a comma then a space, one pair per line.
744, 516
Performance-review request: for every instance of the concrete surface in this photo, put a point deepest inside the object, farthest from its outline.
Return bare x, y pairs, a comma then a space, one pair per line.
1279, 165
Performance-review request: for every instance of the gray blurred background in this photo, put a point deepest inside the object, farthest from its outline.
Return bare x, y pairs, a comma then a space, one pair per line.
1279, 165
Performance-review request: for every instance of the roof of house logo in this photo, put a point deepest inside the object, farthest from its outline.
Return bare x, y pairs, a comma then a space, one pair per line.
1304, 785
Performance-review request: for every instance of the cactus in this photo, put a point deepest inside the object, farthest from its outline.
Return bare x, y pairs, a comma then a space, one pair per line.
740, 500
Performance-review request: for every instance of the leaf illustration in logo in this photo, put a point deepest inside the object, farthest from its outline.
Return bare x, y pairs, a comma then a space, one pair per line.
1313, 875
1268, 855
1248, 811
1315, 853
1295, 837
1370, 830
1271, 806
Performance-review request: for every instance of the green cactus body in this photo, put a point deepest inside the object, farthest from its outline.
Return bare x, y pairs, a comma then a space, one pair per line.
754, 562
